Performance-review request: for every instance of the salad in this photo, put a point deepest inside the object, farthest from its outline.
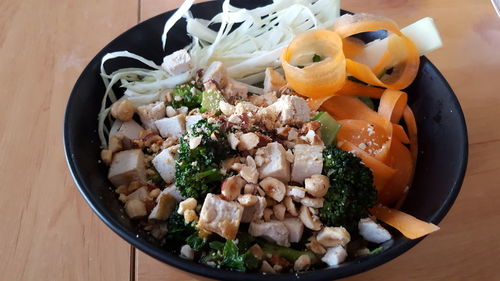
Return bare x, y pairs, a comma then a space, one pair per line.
280, 142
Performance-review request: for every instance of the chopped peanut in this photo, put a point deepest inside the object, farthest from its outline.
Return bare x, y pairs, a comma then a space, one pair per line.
247, 200
107, 156
188, 204
189, 216
273, 188
302, 263
123, 110
317, 185
279, 211
267, 214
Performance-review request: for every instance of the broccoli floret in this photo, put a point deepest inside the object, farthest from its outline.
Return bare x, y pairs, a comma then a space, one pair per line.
186, 95
351, 190
197, 171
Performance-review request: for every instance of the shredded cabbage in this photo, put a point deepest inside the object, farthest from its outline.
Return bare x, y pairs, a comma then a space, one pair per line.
247, 42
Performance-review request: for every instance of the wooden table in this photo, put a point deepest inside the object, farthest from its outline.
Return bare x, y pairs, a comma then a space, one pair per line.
49, 233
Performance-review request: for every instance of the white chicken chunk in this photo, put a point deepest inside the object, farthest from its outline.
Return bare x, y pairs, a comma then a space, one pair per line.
255, 211
172, 126
127, 166
274, 231
129, 129
220, 216
334, 256
295, 227
372, 231
216, 73
191, 120
308, 160
164, 163
292, 110
176, 63
273, 81
275, 163
149, 113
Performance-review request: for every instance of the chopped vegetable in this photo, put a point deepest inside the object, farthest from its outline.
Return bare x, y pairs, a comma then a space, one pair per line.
408, 225
401, 53
246, 49
197, 170
392, 105
329, 127
368, 101
228, 255
287, 253
211, 100
186, 95
178, 230
319, 79
351, 190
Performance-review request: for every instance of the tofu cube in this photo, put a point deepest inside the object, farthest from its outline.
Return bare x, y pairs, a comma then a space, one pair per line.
220, 216
295, 228
164, 163
150, 113
191, 120
172, 126
274, 231
255, 211
308, 161
127, 166
172, 190
275, 163
130, 129
176, 63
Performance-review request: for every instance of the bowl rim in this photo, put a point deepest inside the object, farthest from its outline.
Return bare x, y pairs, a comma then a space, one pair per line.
362, 265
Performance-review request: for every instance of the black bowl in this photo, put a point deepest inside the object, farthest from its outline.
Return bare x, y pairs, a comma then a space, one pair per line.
442, 158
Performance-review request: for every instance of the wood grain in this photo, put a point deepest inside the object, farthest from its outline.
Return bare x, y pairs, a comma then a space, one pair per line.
48, 232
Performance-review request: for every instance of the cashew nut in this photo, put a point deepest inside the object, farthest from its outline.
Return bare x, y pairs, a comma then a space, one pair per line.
312, 202
188, 204
123, 110
333, 236
274, 188
231, 187
247, 200
309, 221
279, 211
317, 185
290, 206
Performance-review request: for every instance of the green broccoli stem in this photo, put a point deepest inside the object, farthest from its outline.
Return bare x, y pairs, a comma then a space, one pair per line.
287, 253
